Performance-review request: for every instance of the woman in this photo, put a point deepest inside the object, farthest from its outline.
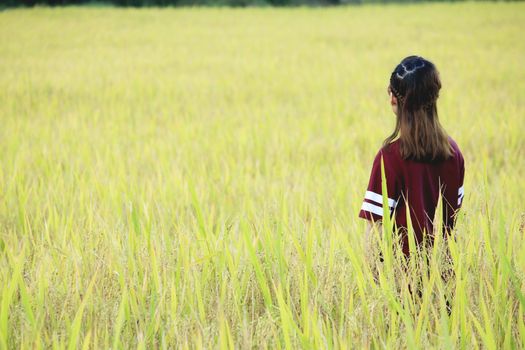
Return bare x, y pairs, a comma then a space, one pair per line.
420, 160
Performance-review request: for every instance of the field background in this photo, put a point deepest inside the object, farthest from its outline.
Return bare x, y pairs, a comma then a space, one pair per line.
191, 177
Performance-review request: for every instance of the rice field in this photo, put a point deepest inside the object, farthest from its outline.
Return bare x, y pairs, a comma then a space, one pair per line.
191, 178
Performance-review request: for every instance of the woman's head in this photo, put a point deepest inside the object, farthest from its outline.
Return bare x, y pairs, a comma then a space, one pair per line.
414, 89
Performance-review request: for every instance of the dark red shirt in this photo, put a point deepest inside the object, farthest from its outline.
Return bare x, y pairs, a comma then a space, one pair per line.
417, 183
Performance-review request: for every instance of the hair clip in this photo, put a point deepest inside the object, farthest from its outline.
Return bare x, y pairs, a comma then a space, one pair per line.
420, 64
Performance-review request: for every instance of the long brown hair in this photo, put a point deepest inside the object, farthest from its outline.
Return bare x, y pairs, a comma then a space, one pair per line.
415, 83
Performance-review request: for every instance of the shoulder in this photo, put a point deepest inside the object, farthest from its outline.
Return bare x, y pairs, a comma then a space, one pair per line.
390, 152
391, 157
455, 149
453, 143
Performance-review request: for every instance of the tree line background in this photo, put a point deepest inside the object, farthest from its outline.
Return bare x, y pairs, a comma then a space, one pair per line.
238, 3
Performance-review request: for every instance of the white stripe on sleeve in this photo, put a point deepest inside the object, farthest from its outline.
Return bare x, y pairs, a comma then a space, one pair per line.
376, 197
372, 208
461, 194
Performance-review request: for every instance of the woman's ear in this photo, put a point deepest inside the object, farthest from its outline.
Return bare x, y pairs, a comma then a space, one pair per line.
393, 99
393, 103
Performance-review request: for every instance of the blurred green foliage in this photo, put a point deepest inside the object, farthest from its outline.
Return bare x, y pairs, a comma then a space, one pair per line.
234, 3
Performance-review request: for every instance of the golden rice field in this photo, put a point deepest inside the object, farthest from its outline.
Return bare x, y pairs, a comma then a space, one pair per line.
191, 178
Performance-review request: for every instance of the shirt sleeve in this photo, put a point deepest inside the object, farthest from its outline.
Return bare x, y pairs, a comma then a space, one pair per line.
461, 189
372, 207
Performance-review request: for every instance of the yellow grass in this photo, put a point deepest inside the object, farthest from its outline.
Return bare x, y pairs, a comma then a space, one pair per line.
191, 178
